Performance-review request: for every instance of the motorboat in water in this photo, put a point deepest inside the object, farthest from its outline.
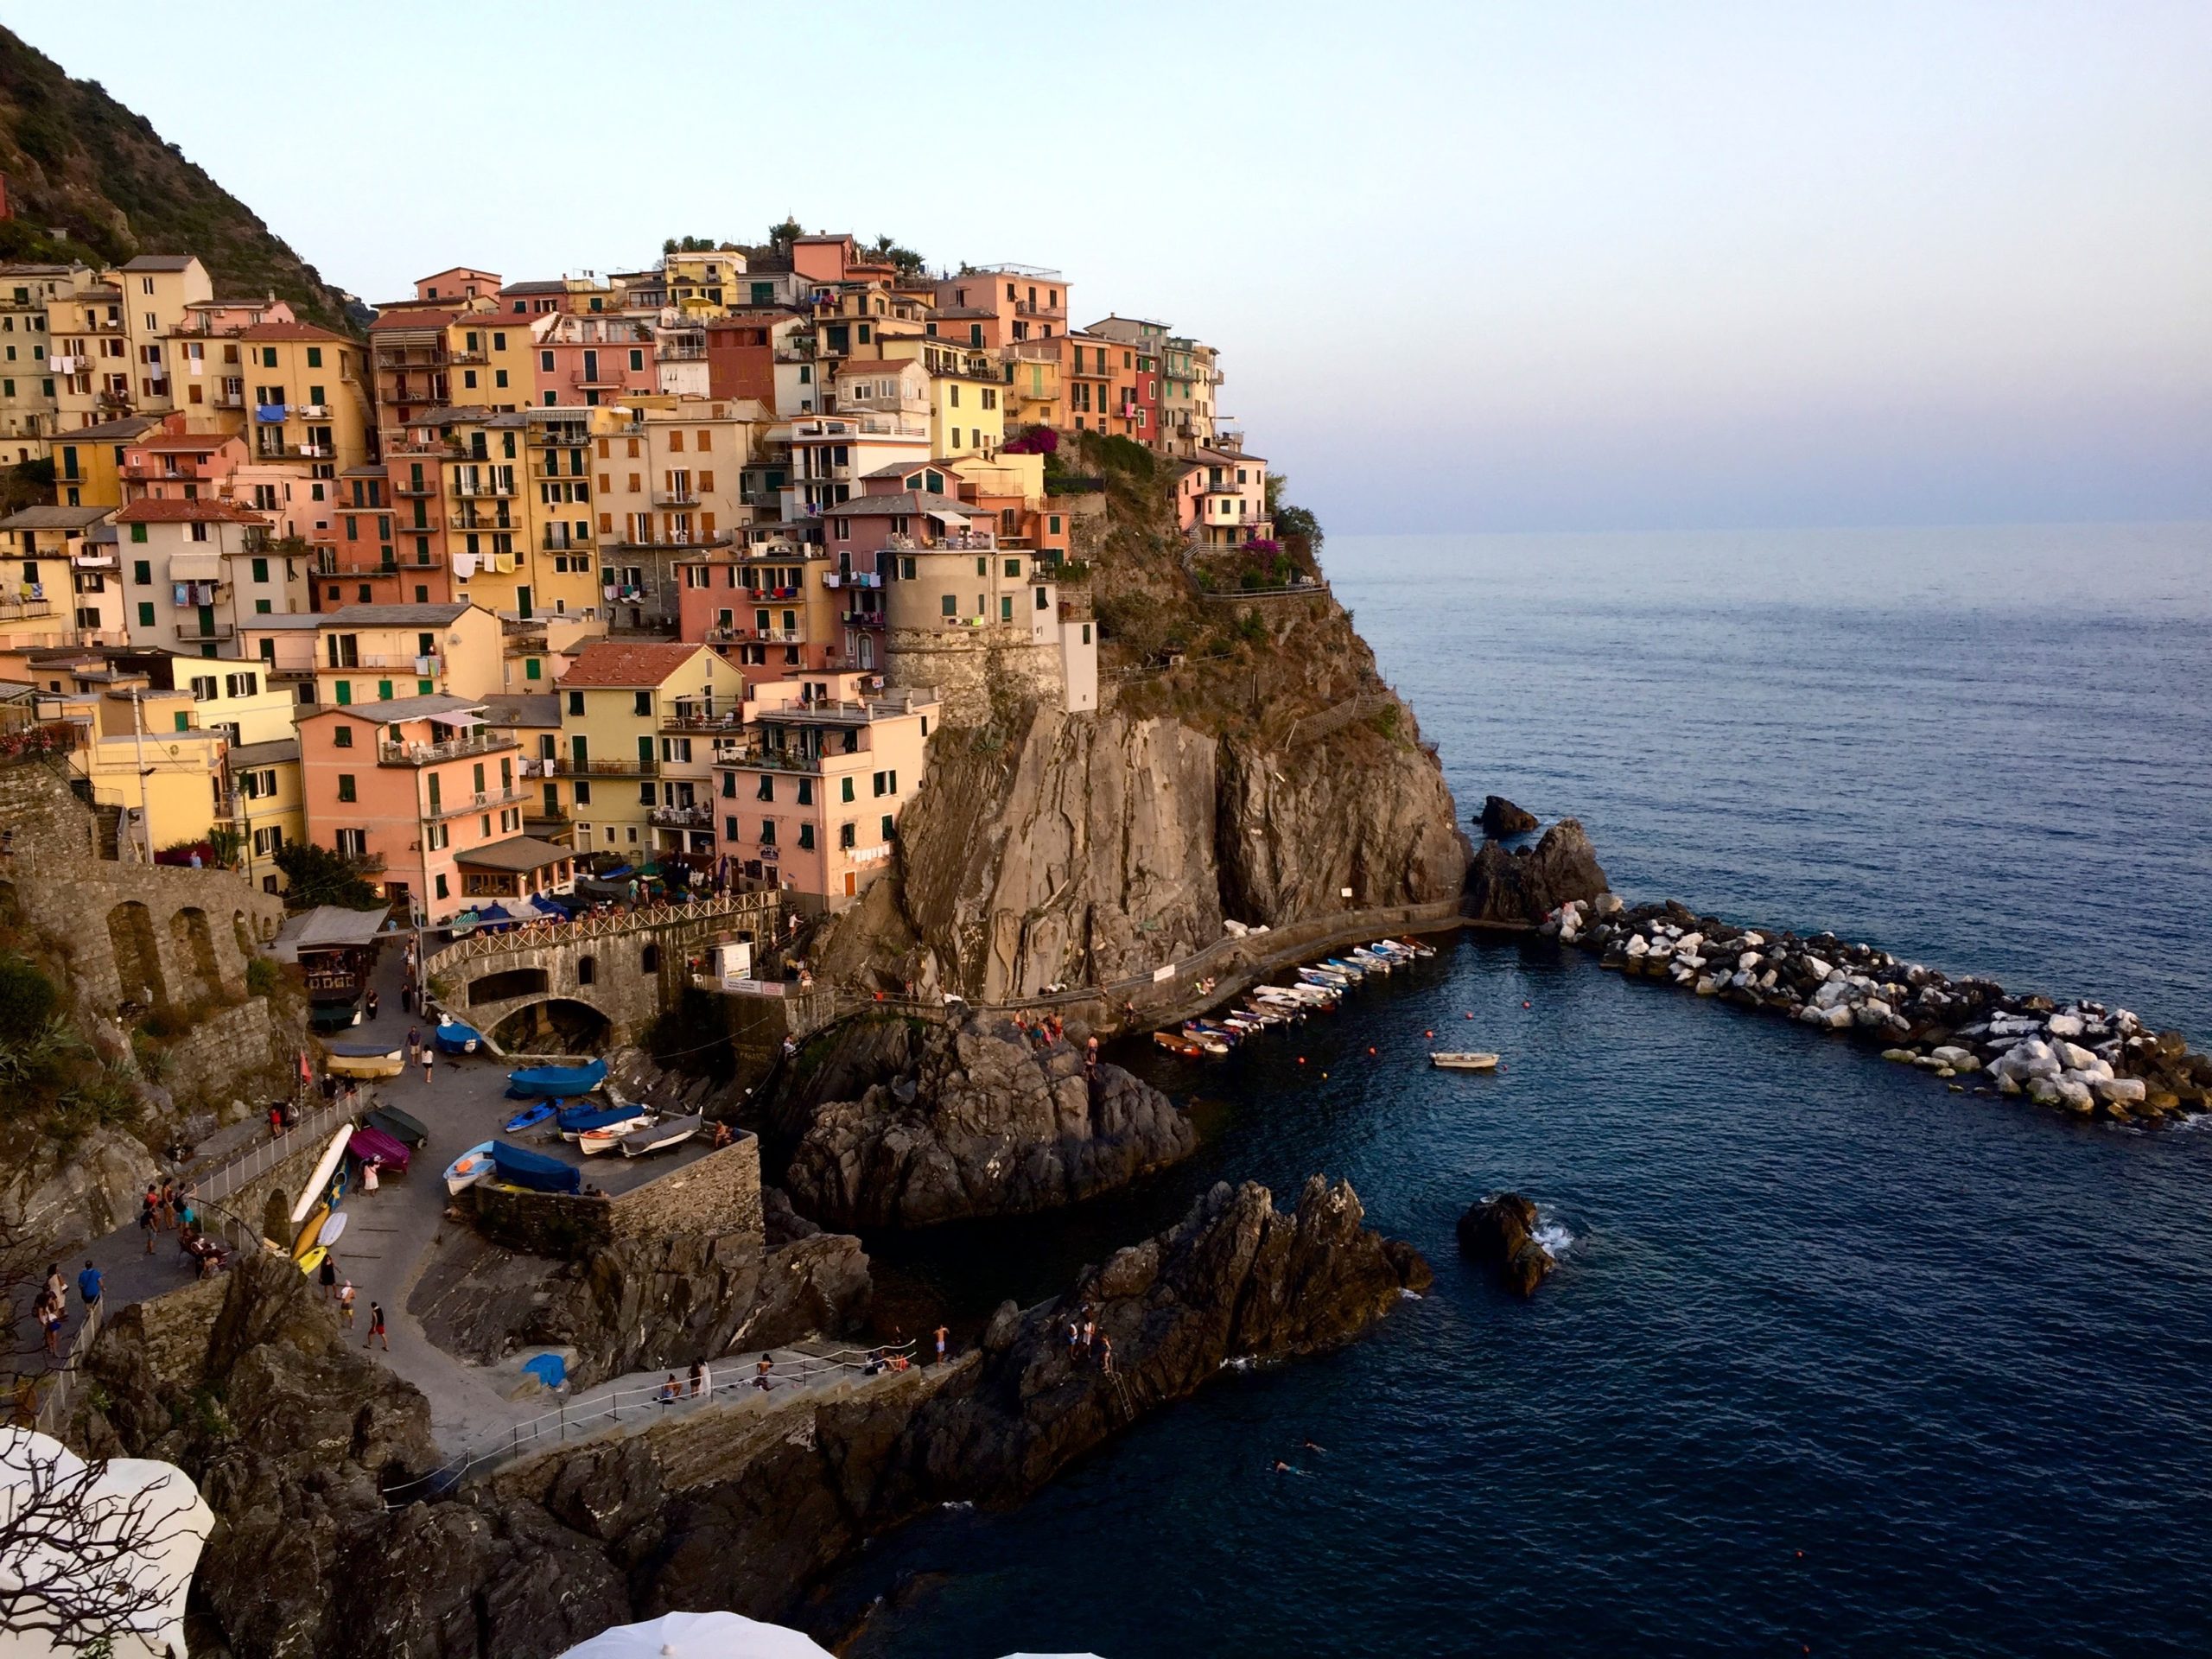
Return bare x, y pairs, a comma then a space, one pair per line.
1448, 1060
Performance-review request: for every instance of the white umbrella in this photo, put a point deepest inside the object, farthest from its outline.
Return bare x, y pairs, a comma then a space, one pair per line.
170, 1526
698, 1636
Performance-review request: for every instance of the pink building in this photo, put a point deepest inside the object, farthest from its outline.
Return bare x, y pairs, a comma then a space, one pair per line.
593, 360
428, 801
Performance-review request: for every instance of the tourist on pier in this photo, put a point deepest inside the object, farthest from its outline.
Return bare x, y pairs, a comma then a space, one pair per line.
414, 1044
148, 1219
327, 1276
88, 1287
668, 1391
695, 1379
760, 1373
345, 1305
941, 1333
56, 1286
169, 1204
427, 1054
50, 1323
376, 1328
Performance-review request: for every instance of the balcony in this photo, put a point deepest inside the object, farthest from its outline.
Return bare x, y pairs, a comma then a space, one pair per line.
862, 619
407, 487
482, 800
330, 563
25, 609
852, 579
1036, 309
192, 629
453, 748
568, 766
467, 355
477, 521
432, 663
970, 542
565, 541
781, 761
470, 489
412, 359
680, 353
684, 722
595, 379
681, 496
697, 816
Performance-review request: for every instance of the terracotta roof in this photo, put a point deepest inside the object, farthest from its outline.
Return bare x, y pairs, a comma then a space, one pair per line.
188, 443
427, 317
160, 262
392, 710
291, 331
902, 502
620, 663
182, 512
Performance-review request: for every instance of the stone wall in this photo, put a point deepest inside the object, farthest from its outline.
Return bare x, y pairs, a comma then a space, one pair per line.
152, 935
717, 1194
176, 1327
970, 667
241, 1053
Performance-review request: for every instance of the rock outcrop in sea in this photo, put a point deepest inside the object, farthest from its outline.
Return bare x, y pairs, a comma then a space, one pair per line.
1500, 820
2083, 1056
738, 1505
980, 1119
1501, 1234
1522, 886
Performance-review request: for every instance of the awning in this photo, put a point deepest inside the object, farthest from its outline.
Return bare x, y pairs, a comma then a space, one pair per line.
195, 566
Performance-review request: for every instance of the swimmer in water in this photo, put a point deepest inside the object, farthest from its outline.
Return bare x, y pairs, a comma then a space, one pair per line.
1310, 1446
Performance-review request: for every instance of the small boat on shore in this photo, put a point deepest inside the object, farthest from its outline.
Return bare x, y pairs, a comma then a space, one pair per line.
408, 1131
1448, 1060
470, 1167
454, 1038
365, 1060
609, 1136
660, 1137
1175, 1043
373, 1145
584, 1118
530, 1115
552, 1082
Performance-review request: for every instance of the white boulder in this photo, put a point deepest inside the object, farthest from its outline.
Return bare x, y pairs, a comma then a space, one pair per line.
1818, 968
2064, 1025
2120, 1089
1638, 945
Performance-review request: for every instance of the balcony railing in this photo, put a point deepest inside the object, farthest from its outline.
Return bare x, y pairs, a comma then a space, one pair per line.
568, 766
431, 663
472, 520
862, 619
780, 760
453, 748
469, 488
684, 496
566, 541
683, 723
25, 609
682, 817
409, 486
482, 800
195, 628
330, 564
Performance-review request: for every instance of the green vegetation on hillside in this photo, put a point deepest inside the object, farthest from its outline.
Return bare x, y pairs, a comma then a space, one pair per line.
91, 180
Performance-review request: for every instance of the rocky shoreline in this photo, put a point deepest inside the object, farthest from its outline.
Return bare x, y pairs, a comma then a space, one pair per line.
2079, 1055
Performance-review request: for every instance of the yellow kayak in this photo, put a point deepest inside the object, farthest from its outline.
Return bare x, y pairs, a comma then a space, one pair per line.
313, 1260
305, 1241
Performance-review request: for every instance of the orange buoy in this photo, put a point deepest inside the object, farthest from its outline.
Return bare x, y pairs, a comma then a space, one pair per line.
1370, 1048
1471, 1016
1431, 1033
1526, 1005
1301, 1060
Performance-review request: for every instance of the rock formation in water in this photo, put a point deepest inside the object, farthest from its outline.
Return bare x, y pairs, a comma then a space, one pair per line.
1522, 886
1500, 820
2082, 1055
982, 1119
1501, 1234
739, 1505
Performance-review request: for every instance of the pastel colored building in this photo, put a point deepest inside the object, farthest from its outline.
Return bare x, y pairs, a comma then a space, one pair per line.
424, 797
641, 724
592, 360
1022, 301
144, 753
774, 611
196, 571
88, 460
268, 808
1221, 498
380, 653
58, 585
814, 809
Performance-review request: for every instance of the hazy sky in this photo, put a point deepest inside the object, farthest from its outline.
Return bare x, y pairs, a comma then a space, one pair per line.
1501, 266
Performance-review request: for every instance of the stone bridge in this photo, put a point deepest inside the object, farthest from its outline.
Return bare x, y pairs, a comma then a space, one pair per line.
595, 981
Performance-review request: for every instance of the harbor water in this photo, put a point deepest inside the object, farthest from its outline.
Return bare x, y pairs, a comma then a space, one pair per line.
1837, 1360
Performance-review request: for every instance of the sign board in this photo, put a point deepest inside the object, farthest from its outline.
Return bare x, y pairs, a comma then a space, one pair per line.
754, 986
733, 964
1161, 975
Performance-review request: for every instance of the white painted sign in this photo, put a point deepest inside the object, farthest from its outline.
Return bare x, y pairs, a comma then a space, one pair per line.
1161, 975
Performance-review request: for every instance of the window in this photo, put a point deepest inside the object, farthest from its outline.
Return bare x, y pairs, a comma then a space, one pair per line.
845, 837
767, 832
641, 702
137, 532
261, 566
531, 668
586, 971
767, 791
845, 789
806, 791
648, 959
145, 614
806, 837
1086, 640
341, 737
575, 702
545, 362
1005, 607
949, 606
637, 362
887, 826
346, 785
729, 830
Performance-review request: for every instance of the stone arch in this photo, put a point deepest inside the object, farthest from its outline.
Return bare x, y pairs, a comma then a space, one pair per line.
137, 958
242, 932
276, 1214
649, 958
557, 1023
506, 985
193, 951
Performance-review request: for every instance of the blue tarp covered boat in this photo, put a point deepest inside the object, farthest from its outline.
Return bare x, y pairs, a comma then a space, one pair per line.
520, 1167
584, 1115
454, 1038
548, 1082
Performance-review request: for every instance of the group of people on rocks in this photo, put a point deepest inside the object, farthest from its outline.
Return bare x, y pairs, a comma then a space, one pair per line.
1087, 1344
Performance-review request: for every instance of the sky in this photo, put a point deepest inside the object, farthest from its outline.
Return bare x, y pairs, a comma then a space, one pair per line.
1471, 266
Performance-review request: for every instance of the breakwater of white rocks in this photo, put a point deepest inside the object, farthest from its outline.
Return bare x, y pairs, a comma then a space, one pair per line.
2080, 1056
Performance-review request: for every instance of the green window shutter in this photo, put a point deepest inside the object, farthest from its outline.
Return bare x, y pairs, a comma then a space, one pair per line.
345, 692
145, 614
137, 532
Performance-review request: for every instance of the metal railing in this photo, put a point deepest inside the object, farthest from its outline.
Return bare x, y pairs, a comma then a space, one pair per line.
259, 1160
533, 934
61, 1384
645, 1403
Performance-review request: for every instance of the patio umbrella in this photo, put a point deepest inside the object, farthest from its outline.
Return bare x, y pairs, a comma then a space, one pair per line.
698, 1636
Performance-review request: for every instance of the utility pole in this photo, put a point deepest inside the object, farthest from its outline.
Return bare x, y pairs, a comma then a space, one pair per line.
145, 795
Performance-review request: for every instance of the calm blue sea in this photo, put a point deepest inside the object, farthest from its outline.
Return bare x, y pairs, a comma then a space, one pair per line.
1837, 1361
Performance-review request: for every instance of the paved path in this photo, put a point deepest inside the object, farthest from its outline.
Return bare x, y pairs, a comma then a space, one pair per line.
391, 1234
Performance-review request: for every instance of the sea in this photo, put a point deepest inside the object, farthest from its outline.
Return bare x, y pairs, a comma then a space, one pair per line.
1837, 1360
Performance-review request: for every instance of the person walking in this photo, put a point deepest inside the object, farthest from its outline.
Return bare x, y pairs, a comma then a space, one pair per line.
1089, 1337
694, 1380
414, 1044
760, 1373
376, 1327
327, 1276
428, 1052
49, 1328
345, 1305
56, 1286
168, 1202
148, 1219
88, 1288
373, 1005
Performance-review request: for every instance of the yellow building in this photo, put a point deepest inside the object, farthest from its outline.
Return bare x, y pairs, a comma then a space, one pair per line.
519, 508
27, 380
376, 653
158, 289
492, 360
267, 811
145, 754
237, 698
58, 586
641, 726
88, 460
704, 284
307, 397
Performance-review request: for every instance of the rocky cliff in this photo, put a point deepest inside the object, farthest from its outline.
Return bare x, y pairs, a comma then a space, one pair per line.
1246, 763
982, 1119
740, 1505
